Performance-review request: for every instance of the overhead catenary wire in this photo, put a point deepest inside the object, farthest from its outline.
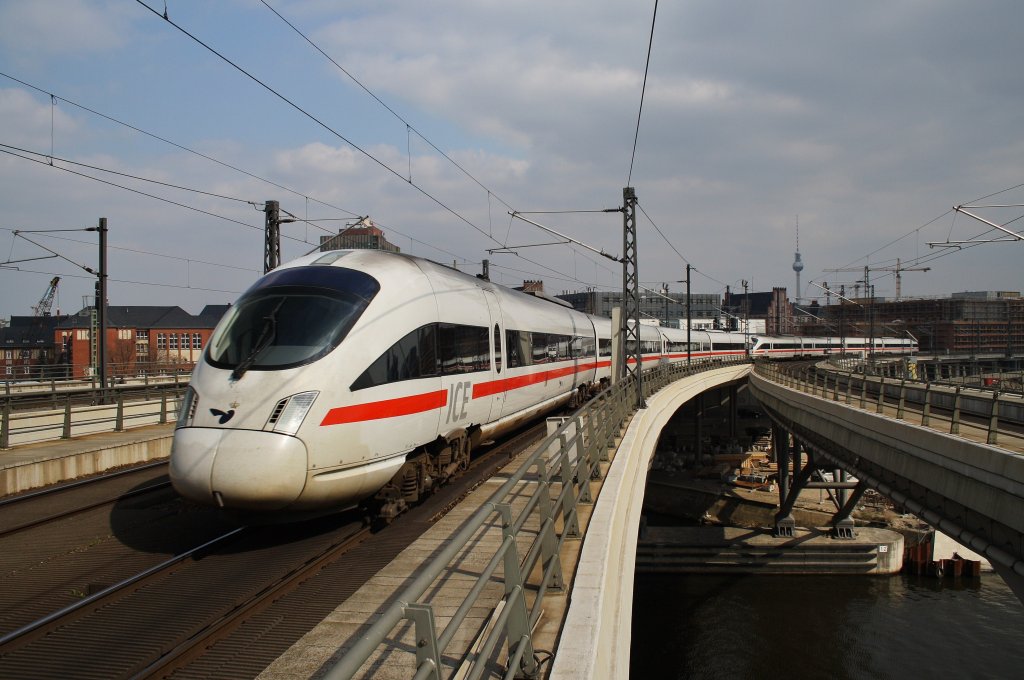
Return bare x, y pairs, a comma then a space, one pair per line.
177, 145
643, 90
409, 126
217, 161
140, 252
130, 281
319, 122
124, 174
235, 168
329, 129
928, 224
136, 191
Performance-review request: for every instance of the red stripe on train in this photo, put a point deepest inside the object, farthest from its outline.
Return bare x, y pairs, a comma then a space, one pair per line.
389, 408
486, 389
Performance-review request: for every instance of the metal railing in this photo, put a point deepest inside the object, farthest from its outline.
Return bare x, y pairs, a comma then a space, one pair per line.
124, 375
31, 426
565, 463
977, 377
940, 407
14, 373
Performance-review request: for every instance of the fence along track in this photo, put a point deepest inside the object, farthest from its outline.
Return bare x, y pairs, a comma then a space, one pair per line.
956, 410
31, 426
537, 523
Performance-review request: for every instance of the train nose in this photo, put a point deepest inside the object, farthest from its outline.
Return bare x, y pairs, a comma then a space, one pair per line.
238, 469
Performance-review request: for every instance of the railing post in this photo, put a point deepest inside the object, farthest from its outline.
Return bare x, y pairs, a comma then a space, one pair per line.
545, 517
863, 391
954, 423
570, 524
66, 432
903, 399
583, 470
593, 446
926, 412
518, 624
880, 408
427, 652
5, 424
993, 423
119, 420
163, 407
849, 386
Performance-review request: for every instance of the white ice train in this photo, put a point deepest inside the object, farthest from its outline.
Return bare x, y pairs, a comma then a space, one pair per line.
361, 375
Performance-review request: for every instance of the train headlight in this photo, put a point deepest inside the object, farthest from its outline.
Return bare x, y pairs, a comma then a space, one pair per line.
189, 404
290, 412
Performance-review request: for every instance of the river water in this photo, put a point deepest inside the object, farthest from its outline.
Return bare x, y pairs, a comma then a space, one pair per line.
797, 627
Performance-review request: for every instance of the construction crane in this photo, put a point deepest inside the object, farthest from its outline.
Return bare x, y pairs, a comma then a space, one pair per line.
46, 302
898, 269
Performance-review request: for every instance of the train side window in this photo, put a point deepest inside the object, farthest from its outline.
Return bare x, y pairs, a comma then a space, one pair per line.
589, 347
497, 348
464, 349
412, 357
604, 346
582, 347
540, 348
564, 344
519, 346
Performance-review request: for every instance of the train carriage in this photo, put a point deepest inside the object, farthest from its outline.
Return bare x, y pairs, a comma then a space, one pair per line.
360, 375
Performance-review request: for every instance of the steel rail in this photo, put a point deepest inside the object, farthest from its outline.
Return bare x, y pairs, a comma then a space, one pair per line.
25, 630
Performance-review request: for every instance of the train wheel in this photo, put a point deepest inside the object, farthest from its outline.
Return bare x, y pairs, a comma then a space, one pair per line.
463, 449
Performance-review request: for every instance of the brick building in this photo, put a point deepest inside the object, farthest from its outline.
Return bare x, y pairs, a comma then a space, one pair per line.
964, 323
139, 339
363, 236
27, 349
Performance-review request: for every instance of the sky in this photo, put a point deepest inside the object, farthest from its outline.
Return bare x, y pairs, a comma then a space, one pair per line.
863, 123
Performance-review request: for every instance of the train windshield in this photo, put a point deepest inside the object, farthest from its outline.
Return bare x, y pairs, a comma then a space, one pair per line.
289, 318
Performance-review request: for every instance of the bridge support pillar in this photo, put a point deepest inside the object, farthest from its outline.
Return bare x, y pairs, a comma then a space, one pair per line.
842, 523
794, 480
785, 525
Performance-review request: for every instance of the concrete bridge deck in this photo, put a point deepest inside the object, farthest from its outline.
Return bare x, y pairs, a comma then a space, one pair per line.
586, 625
958, 483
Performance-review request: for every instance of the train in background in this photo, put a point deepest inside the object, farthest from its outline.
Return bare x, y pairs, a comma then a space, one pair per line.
359, 376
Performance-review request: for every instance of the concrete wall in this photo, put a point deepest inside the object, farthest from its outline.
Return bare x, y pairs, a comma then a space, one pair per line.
596, 637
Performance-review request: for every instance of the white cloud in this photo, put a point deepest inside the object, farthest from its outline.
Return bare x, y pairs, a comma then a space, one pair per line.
28, 121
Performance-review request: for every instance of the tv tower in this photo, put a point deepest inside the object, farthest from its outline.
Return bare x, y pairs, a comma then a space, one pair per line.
798, 266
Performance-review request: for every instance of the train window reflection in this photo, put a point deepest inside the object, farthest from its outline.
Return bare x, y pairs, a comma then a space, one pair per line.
281, 328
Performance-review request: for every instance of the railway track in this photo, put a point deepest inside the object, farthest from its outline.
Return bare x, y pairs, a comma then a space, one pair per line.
54, 503
227, 608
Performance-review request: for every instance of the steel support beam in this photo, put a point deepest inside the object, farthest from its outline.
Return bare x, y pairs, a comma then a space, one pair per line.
631, 296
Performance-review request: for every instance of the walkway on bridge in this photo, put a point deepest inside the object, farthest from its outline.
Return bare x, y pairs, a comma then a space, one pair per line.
595, 643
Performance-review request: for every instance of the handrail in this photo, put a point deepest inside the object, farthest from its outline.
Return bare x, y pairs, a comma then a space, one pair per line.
871, 392
571, 457
62, 423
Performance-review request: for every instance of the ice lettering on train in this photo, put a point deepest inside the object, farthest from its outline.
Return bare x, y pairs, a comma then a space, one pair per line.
459, 395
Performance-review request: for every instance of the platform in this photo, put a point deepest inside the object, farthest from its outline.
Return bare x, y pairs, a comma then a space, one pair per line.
319, 649
31, 466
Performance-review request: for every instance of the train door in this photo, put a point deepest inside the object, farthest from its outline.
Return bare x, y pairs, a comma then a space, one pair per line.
496, 397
